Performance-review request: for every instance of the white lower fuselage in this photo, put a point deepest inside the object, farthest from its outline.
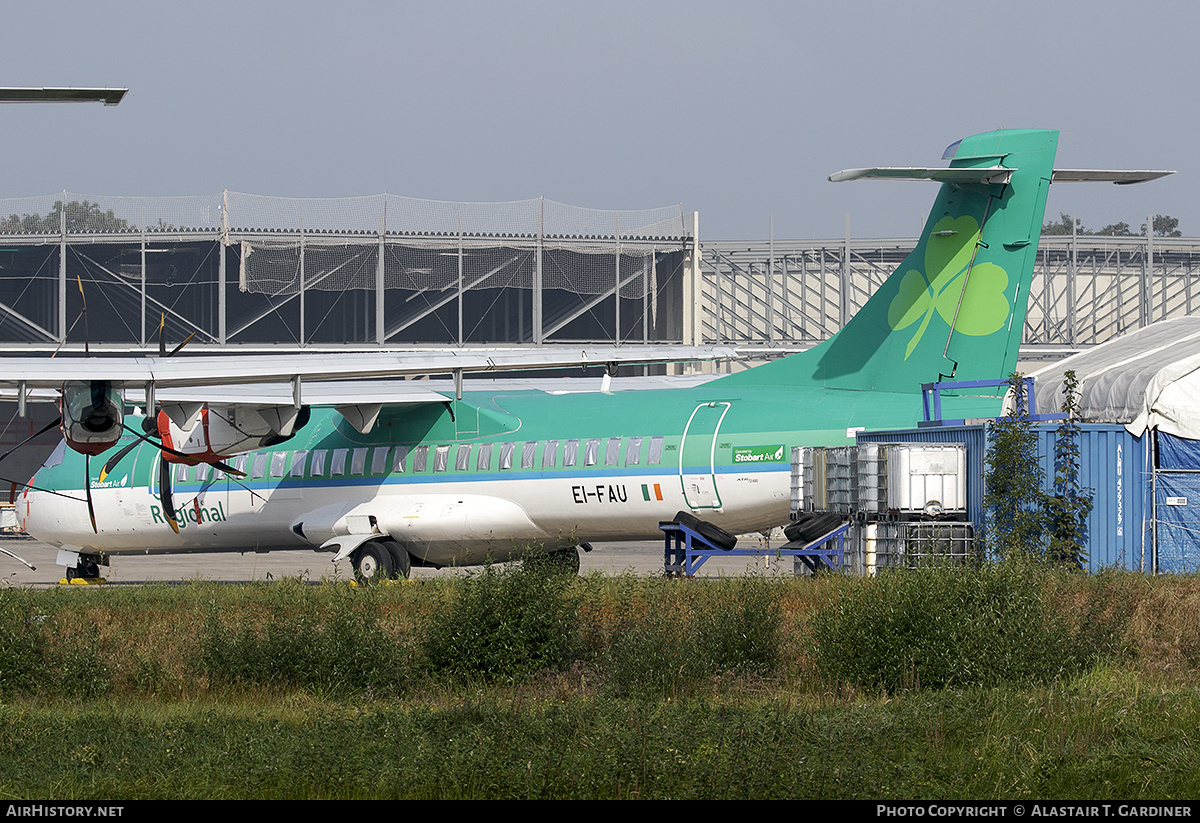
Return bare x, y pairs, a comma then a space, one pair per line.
441, 523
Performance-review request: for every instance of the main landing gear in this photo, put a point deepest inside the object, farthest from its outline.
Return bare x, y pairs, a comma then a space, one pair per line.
378, 560
86, 568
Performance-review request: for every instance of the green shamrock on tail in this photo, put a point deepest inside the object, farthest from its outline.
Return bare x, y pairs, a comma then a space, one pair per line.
938, 288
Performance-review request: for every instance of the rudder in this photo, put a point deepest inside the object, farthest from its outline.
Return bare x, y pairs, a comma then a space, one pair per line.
956, 306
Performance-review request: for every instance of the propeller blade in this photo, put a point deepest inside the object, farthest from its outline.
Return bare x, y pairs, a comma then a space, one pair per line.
40, 489
164, 492
15, 556
57, 421
186, 340
162, 342
115, 459
253, 493
83, 314
87, 485
225, 467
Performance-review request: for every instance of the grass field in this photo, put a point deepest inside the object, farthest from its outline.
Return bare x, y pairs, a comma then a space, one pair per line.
516, 682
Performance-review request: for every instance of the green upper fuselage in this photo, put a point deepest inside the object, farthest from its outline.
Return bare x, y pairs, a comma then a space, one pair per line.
756, 417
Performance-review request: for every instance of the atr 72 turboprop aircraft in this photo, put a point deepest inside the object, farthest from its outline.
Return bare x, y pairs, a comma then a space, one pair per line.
456, 478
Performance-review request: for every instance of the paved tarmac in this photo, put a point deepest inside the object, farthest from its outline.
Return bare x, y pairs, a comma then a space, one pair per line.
638, 558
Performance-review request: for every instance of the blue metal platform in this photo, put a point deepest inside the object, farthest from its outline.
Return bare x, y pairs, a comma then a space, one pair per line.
685, 551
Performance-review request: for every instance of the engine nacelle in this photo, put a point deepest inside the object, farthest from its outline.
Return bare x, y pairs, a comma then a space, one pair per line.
92, 415
218, 432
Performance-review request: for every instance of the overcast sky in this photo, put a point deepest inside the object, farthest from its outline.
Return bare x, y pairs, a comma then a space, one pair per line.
736, 110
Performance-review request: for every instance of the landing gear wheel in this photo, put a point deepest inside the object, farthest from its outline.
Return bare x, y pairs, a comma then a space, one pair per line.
85, 569
372, 562
400, 559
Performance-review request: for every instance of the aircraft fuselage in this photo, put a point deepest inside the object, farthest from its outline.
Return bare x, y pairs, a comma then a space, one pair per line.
506, 471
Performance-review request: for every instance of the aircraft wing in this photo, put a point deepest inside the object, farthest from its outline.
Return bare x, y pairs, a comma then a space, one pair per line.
292, 369
260, 398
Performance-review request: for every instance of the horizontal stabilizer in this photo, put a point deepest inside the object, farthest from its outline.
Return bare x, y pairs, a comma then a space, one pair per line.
989, 174
997, 174
1118, 176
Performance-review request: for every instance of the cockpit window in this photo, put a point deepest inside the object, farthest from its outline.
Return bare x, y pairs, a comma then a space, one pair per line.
57, 455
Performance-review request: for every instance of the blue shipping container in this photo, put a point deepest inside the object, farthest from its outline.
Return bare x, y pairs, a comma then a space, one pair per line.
1112, 463
1177, 509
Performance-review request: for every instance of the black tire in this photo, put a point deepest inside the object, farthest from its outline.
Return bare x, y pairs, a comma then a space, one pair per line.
712, 534
372, 562
822, 524
793, 529
401, 563
84, 570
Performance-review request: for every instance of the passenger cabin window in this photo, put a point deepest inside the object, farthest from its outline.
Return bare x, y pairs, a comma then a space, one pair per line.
379, 460
420, 458
656, 451
592, 452
462, 460
358, 462
527, 454
260, 466
181, 472
298, 461
278, 463
483, 462
239, 462
570, 453
401, 456
337, 465
202, 472
612, 451
633, 451
441, 458
506, 455
550, 454
318, 463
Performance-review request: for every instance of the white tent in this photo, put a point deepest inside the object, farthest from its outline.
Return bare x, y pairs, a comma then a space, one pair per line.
1147, 379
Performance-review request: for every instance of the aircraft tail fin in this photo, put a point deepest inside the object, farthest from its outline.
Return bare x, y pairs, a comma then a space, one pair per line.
955, 308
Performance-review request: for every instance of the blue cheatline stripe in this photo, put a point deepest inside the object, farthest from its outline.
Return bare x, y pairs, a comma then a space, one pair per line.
599, 472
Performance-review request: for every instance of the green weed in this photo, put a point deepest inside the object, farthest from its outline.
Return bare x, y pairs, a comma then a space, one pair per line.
293, 635
938, 627
503, 623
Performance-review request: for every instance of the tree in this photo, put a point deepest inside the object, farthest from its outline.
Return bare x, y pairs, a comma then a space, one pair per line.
1063, 226
1165, 226
1116, 230
1014, 501
81, 217
1068, 508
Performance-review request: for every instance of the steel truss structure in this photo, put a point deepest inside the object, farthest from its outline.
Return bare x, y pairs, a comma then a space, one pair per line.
81, 276
355, 272
1086, 289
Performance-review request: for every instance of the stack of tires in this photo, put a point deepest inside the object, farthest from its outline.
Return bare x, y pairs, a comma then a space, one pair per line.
809, 526
715, 536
